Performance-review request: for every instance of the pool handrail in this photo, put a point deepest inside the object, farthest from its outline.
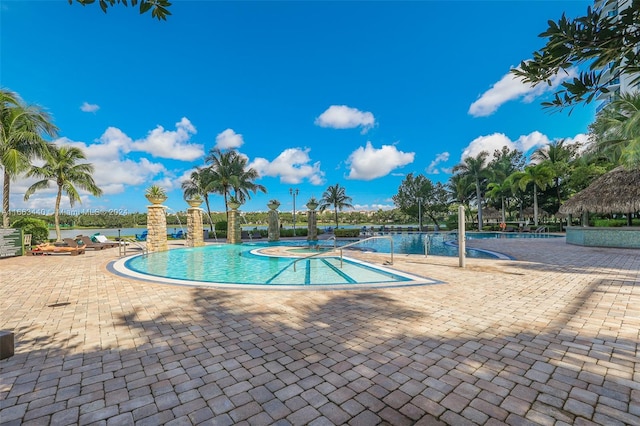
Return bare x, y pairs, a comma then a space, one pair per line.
122, 247
336, 247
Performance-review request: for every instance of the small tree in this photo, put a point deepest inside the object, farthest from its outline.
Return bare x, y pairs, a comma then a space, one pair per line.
335, 196
61, 167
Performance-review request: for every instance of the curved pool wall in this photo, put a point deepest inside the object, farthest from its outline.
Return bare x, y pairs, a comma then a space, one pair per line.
243, 267
623, 237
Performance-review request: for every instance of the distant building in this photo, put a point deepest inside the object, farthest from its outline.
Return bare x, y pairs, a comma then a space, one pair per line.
622, 83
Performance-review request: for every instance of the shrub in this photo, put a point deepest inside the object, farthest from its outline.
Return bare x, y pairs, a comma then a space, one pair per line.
221, 225
349, 233
36, 227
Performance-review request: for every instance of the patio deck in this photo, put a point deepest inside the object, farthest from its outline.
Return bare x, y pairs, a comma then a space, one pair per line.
550, 338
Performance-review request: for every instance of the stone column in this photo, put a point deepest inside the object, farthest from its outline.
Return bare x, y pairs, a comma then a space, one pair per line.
156, 228
312, 228
195, 235
274, 223
234, 233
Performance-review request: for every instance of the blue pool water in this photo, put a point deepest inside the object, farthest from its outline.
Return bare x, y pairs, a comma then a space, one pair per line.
241, 264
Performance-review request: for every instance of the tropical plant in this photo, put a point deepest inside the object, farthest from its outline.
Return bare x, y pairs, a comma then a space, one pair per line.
335, 196
36, 227
229, 172
540, 176
476, 168
557, 157
616, 131
159, 8
156, 192
200, 184
21, 140
61, 166
608, 45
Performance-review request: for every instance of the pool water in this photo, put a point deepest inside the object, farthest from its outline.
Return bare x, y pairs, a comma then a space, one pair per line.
241, 264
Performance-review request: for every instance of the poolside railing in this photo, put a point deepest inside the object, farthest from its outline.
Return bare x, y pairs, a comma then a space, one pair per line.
124, 242
340, 248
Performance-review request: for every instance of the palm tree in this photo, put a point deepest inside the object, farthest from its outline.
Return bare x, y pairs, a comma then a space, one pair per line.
557, 157
243, 182
540, 176
477, 169
499, 191
61, 166
616, 131
335, 196
199, 183
228, 171
461, 189
21, 130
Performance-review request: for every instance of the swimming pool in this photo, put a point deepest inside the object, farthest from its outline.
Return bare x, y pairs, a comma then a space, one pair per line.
440, 244
245, 266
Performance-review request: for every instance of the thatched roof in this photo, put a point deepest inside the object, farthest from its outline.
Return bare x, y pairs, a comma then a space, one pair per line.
491, 213
615, 192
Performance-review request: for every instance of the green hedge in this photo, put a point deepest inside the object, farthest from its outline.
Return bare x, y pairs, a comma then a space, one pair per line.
348, 233
36, 227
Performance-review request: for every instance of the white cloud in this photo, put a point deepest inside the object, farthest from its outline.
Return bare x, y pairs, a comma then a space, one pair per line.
87, 107
293, 166
344, 117
525, 143
171, 144
367, 163
228, 139
432, 168
511, 87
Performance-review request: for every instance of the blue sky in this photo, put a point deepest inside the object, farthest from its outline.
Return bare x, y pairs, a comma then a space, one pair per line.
313, 93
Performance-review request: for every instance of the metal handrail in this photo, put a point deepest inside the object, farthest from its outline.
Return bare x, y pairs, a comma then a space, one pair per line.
335, 248
122, 248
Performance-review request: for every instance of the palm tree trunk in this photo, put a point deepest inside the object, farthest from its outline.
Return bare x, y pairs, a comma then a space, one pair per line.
335, 209
504, 218
5, 199
479, 198
206, 202
535, 204
56, 214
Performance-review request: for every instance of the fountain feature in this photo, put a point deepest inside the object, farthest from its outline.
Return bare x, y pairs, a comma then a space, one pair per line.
234, 233
156, 220
312, 229
195, 232
274, 221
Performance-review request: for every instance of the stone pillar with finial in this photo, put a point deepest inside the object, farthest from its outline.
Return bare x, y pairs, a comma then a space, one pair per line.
234, 232
195, 235
312, 230
274, 221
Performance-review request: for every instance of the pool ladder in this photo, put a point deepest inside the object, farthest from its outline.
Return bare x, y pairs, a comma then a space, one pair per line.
340, 248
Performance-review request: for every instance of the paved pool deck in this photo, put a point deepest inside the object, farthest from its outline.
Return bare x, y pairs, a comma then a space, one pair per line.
551, 338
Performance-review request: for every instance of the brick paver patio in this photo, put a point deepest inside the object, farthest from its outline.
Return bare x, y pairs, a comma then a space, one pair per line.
552, 338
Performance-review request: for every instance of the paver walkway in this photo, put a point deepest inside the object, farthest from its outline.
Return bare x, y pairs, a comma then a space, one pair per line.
552, 338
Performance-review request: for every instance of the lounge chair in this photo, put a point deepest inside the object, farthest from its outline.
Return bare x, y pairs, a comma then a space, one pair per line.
89, 243
142, 237
78, 243
177, 235
104, 240
47, 249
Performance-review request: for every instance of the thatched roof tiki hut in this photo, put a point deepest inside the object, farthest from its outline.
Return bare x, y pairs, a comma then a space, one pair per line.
617, 191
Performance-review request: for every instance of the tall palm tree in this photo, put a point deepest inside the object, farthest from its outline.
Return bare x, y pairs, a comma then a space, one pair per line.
61, 166
243, 181
199, 183
475, 167
538, 175
335, 196
616, 131
229, 172
499, 191
21, 140
557, 157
